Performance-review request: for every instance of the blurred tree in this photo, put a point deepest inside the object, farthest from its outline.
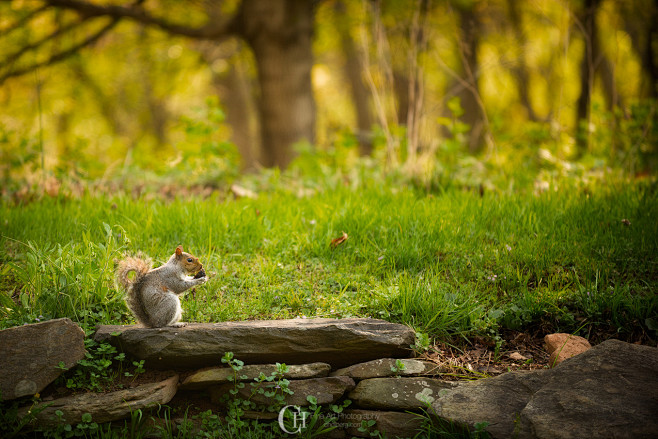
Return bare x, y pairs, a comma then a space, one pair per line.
641, 23
594, 63
465, 84
520, 69
408, 74
586, 21
233, 84
279, 33
157, 114
353, 72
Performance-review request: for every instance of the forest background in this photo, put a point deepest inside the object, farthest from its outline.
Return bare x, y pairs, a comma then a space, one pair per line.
477, 94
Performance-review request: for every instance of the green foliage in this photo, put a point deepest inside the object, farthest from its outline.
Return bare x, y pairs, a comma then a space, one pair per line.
274, 388
72, 279
100, 368
204, 156
398, 367
86, 428
422, 344
367, 426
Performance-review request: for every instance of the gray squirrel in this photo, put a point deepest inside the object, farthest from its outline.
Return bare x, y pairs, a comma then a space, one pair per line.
152, 295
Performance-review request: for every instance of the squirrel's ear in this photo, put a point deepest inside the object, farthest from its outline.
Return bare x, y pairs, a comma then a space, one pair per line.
179, 250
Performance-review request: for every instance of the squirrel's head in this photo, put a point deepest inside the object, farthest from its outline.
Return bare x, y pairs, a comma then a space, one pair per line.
190, 263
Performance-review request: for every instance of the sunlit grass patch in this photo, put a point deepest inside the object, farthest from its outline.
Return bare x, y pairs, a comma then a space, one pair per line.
454, 264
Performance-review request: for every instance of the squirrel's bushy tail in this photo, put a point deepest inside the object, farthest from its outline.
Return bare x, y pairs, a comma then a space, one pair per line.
139, 266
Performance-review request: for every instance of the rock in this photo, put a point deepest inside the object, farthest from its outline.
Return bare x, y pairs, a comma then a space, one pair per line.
609, 391
338, 342
30, 354
388, 424
563, 346
327, 390
384, 368
498, 401
398, 393
220, 375
104, 407
264, 416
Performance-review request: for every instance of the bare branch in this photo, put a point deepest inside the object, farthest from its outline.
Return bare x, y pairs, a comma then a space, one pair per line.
87, 10
57, 57
11, 58
23, 20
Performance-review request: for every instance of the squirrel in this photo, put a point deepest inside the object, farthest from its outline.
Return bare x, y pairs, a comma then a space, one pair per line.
152, 295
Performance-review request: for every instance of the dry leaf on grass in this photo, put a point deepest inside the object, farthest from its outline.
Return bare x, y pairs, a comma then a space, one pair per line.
516, 356
338, 241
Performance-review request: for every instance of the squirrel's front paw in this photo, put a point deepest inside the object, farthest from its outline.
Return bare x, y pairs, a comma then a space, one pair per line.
178, 325
201, 280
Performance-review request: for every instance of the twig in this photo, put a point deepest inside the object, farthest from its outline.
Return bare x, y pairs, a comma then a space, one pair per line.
58, 57
134, 12
379, 105
11, 58
23, 20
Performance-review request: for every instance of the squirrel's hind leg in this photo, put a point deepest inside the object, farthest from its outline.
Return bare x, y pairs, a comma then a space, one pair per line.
169, 312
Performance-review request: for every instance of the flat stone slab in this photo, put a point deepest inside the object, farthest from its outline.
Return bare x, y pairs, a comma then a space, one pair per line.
410, 393
338, 342
103, 407
389, 367
213, 376
30, 355
388, 424
326, 390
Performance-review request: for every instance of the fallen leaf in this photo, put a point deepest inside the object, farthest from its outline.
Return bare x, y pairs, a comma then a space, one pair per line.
338, 241
517, 356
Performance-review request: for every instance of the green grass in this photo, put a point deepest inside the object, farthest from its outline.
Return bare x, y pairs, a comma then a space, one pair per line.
452, 264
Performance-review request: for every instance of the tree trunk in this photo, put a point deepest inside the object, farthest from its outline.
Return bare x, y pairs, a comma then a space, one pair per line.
157, 113
240, 114
587, 69
469, 26
353, 74
641, 24
234, 88
520, 71
279, 33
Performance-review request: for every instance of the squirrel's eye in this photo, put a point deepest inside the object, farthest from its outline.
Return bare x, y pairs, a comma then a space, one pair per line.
189, 259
